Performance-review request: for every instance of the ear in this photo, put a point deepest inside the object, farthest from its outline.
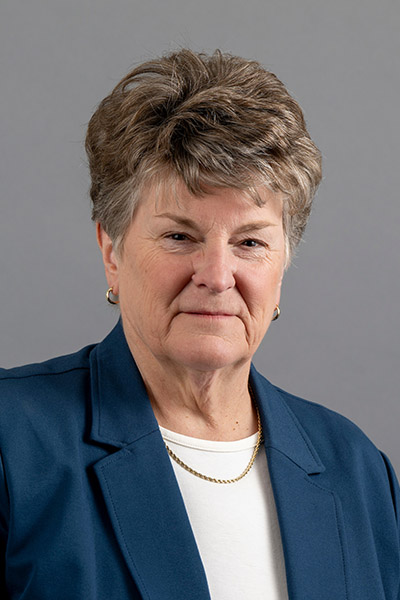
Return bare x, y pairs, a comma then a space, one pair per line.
279, 289
110, 259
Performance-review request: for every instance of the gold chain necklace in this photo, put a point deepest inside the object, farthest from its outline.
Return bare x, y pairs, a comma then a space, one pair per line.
212, 479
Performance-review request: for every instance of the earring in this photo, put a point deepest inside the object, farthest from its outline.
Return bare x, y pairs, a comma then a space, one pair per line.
108, 296
277, 313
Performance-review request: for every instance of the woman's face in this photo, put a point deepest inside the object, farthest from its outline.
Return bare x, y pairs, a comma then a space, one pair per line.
198, 277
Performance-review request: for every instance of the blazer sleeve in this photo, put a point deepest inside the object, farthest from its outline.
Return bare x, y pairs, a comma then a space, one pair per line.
4, 517
395, 491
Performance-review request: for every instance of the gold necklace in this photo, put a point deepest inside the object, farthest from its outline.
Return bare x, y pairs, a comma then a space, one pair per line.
212, 479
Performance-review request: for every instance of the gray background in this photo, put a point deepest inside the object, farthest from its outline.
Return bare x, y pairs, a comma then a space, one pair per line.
336, 342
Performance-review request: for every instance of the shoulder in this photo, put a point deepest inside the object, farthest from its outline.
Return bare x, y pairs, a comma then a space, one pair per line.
345, 450
313, 413
43, 383
320, 421
336, 440
352, 464
54, 366
317, 421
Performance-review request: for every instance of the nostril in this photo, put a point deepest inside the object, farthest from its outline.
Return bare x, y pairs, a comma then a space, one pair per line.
215, 280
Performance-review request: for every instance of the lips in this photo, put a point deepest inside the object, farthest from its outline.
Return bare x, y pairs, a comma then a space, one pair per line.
209, 313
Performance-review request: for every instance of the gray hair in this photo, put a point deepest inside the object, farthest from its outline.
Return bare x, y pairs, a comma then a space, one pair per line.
212, 121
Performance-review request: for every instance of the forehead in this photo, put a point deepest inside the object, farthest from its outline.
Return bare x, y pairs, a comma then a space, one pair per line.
216, 203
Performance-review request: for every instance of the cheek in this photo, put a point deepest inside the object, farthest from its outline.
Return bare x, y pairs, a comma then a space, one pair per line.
263, 291
155, 280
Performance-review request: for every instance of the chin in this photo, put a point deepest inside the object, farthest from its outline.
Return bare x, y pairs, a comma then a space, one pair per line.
208, 355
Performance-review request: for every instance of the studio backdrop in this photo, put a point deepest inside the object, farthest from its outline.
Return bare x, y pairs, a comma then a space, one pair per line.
337, 341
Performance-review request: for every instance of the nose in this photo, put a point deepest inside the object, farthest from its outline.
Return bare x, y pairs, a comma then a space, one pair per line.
214, 268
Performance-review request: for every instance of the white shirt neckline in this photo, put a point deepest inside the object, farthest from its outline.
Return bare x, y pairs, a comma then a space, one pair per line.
209, 445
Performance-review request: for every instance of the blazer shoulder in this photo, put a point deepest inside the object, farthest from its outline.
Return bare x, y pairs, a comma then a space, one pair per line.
41, 401
53, 366
39, 382
333, 435
319, 417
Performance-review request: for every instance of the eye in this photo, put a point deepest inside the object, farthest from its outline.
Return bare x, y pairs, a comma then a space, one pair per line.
250, 243
177, 237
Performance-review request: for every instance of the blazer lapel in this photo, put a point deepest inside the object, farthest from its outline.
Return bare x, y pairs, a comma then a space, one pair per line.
309, 515
140, 490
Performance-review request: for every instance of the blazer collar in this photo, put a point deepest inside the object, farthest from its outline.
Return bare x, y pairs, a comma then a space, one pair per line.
122, 412
282, 430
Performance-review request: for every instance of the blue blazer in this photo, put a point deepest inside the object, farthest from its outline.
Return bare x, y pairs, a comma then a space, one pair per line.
90, 508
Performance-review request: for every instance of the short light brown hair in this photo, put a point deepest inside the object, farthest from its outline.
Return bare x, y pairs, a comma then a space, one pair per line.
210, 120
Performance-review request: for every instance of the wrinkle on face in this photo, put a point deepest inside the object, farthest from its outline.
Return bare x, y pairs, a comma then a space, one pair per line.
156, 277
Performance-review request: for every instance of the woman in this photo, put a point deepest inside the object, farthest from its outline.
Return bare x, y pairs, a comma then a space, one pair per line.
159, 464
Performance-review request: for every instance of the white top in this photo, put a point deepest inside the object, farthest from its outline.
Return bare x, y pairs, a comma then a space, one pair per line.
235, 525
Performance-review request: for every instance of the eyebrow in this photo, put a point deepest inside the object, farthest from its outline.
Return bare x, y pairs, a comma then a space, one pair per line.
185, 222
180, 220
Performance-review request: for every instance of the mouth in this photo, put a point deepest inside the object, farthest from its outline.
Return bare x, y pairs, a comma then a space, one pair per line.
209, 314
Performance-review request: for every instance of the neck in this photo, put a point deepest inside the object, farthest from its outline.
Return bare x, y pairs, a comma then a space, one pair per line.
212, 405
